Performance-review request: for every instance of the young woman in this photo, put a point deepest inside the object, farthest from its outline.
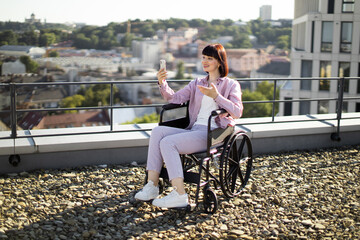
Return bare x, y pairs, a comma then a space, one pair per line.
206, 94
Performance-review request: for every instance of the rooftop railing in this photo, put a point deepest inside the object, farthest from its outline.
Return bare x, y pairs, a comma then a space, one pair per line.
14, 110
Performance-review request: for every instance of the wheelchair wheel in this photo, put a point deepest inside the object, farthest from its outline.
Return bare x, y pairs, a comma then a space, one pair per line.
210, 200
235, 164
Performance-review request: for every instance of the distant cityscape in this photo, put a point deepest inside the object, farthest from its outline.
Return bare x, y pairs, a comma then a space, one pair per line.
312, 41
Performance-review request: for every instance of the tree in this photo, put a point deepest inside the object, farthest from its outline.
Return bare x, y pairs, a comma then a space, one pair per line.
31, 66
47, 39
147, 118
104, 37
283, 42
126, 40
147, 30
255, 109
264, 92
29, 38
54, 54
96, 95
180, 70
82, 42
8, 38
241, 41
72, 102
267, 89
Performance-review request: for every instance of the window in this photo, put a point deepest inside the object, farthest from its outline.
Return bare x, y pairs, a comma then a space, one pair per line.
357, 109
323, 107
348, 6
331, 4
344, 108
346, 37
306, 71
325, 72
358, 90
304, 108
287, 107
326, 36
344, 71
312, 36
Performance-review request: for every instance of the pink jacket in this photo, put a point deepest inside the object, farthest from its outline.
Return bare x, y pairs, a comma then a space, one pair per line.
229, 98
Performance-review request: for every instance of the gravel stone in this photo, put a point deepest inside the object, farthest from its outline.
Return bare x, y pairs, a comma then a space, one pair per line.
293, 195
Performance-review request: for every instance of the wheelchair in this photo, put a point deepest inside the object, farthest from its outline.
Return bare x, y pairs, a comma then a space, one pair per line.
226, 164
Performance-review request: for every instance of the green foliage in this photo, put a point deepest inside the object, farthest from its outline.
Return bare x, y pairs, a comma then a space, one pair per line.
47, 39
37, 34
89, 37
126, 40
266, 34
283, 42
54, 54
263, 92
255, 109
180, 70
72, 102
29, 38
26, 27
148, 118
104, 37
8, 37
97, 95
31, 66
267, 89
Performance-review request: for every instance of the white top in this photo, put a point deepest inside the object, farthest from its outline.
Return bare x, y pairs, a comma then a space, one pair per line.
207, 106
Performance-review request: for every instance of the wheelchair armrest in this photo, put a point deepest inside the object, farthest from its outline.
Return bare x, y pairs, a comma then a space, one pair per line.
170, 106
217, 112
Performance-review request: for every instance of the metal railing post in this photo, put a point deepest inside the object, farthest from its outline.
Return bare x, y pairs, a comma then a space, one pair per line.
111, 106
336, 136
13, 117
273, 104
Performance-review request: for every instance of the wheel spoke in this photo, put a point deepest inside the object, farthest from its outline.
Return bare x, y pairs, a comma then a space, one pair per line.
234, 176
241, 176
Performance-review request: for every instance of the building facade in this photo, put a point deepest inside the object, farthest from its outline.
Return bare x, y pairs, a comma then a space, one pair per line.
325, 43
148, 50
265, 12
18, 51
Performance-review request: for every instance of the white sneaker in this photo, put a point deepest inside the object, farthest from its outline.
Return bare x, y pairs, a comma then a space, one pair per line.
173, 200
149, 192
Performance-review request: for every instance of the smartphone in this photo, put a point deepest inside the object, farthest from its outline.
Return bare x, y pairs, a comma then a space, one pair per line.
163, 64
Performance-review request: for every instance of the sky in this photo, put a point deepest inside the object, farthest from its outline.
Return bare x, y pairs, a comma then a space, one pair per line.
103, 12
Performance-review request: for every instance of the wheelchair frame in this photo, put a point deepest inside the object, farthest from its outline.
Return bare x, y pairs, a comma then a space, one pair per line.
228, 150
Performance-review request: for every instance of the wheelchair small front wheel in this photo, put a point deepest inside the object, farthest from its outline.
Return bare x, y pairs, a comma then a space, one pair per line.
235, 165
210, 200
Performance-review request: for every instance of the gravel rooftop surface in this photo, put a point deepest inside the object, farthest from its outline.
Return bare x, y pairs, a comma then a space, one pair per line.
292, 195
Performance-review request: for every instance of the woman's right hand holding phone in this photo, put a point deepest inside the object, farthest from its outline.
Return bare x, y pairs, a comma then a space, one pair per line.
161, 75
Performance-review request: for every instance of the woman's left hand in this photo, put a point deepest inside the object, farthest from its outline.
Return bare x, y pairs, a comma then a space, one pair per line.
209, 91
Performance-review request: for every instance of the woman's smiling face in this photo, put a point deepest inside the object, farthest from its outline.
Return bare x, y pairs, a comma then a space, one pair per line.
209, 64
